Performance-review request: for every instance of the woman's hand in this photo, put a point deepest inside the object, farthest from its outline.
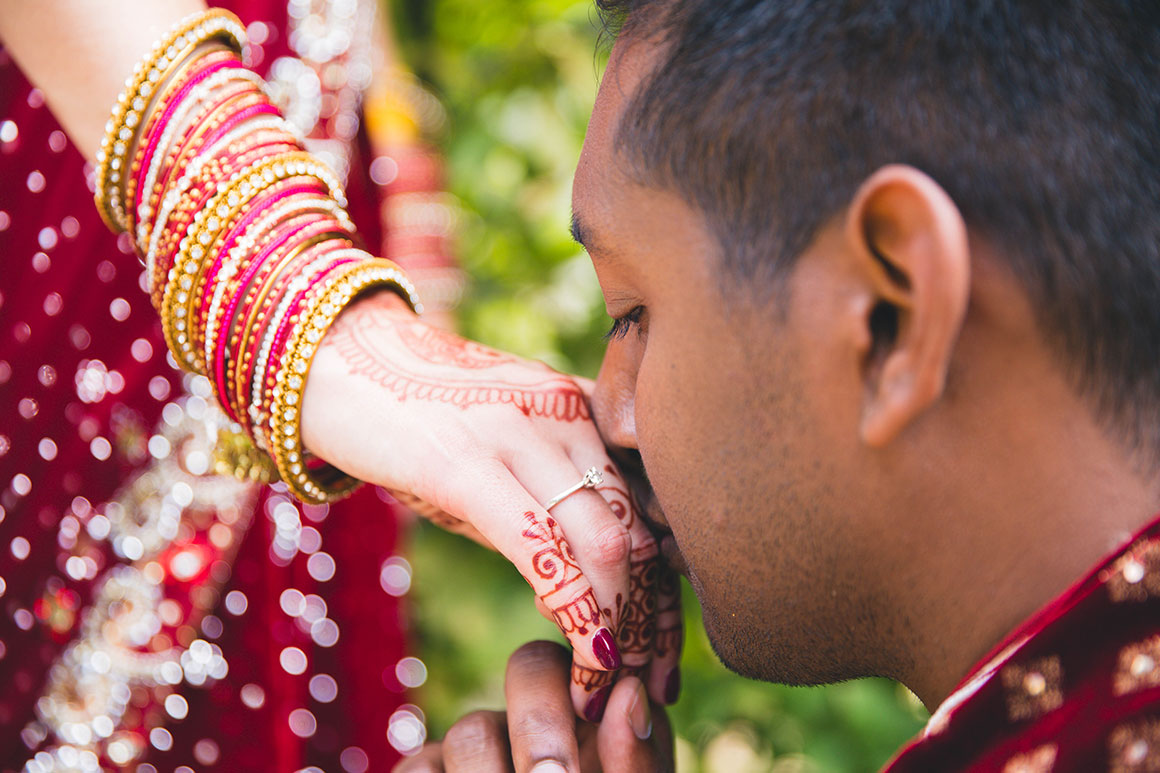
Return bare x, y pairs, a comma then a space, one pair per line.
485, 438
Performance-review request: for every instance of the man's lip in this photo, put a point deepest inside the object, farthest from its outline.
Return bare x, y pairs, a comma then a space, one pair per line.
673, 555
650, 510
649, 507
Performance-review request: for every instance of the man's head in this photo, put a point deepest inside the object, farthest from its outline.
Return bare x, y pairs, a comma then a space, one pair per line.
875, 258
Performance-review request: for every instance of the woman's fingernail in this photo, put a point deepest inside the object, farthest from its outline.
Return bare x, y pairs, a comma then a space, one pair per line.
605, 649
672, 686
595, 708
639, 714
549, 766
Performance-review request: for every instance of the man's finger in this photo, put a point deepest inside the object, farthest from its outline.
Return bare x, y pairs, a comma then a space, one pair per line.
541, 726
634, 736
428, 760
477, 743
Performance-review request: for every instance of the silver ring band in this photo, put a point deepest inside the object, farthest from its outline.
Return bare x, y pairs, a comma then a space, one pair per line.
592, 478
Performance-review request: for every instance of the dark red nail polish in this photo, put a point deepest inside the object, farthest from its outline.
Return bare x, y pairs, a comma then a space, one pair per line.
673, 686
605, 650
595, 708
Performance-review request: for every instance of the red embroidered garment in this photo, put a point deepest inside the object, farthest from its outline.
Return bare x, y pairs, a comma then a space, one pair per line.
1075, 688
154, 616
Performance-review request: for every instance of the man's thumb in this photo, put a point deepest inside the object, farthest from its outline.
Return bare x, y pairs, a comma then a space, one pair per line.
634, 736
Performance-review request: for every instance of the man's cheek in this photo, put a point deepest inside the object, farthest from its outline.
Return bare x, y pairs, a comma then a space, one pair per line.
665, 458
653, 424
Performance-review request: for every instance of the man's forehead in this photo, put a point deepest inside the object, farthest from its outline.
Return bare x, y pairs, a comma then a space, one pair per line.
600, 174
631, 59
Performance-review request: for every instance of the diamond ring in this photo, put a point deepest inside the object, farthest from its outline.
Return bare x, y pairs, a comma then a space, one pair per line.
592, 479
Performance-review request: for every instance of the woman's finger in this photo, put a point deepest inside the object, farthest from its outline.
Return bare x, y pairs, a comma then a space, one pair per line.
440, 518
597, 535
590, 689
664, 674
542, 608
633, 616
541, 726
527, 535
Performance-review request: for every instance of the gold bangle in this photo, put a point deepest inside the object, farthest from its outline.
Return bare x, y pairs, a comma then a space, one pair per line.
258, 312
130, 108
208, 224
194, 122
193, 197
329, 483
196, 321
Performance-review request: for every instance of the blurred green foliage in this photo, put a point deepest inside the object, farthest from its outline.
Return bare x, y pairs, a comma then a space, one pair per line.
518, 78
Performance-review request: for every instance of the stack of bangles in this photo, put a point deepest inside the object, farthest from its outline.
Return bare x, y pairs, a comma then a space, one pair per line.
249, 253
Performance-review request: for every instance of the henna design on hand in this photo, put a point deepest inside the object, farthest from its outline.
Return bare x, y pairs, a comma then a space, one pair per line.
443, 348
415, 361
634, 619
555, 563
670, 630
637, 617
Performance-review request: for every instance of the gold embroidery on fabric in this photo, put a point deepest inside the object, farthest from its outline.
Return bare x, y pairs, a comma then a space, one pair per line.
1033, 689
1134, 747
1138, 667
136, 647
1136, 575
1040, 760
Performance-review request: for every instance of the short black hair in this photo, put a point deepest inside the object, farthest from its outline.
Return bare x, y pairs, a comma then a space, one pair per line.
1040, 119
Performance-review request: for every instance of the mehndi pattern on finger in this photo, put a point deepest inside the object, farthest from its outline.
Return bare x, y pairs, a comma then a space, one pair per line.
571, 601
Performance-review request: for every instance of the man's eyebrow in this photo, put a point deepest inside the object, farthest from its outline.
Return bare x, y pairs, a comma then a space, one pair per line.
578, 231
599, 251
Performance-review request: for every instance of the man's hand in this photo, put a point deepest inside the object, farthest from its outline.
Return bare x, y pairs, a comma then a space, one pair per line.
540, 733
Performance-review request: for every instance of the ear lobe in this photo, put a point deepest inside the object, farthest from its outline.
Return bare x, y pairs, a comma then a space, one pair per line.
909, 241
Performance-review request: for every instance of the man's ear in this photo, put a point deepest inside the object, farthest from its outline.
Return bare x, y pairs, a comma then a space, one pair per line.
909, 243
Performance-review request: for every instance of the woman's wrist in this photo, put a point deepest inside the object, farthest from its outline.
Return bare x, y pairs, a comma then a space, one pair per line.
334, 401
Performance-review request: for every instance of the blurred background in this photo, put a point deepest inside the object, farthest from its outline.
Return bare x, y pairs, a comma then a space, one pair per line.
517, 79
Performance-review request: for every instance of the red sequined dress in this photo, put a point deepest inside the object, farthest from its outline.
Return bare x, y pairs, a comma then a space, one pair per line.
155, 616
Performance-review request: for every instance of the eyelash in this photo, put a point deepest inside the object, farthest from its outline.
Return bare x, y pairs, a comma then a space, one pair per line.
621, 325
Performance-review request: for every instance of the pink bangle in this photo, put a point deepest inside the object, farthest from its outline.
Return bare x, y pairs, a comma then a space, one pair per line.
170, 108
289, 229
260, 206
301, 299
274, 354
183, 152
254, 239
293, 230
205, 282
201, 194
273, 286
238, 117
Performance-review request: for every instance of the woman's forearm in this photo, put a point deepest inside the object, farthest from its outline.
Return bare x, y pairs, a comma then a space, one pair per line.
79, 52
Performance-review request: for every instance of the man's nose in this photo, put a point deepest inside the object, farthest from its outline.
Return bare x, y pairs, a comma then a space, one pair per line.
613, 399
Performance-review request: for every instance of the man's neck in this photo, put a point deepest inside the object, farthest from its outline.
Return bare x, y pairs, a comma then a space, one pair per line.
1013, 542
